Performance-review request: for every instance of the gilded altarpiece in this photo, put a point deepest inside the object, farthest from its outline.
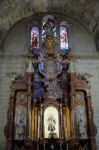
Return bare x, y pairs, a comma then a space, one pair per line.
50, 105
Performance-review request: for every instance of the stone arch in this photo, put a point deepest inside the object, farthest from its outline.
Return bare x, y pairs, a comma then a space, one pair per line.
40, 16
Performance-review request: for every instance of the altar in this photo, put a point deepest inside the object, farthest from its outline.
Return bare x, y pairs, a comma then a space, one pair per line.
50, 105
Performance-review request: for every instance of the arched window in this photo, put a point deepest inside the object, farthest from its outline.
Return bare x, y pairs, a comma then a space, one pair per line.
63, 37
34, 37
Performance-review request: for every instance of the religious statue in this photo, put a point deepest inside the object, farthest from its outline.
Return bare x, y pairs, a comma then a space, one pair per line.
20, 125
81, 122
49, 27
51, 124
20, 130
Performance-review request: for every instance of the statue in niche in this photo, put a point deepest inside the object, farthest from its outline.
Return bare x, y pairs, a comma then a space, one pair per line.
51, 124
20, 131
81, 122
20, 123
81, 119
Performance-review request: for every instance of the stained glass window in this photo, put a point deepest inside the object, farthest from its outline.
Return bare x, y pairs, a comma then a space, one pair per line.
34, 37
63, 38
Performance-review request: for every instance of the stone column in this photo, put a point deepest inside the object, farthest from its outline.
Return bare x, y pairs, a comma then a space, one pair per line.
10, 123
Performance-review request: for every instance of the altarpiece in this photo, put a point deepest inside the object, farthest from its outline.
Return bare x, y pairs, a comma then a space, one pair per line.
50, 105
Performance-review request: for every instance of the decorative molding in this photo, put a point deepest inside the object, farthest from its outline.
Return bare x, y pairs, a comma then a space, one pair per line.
77, 56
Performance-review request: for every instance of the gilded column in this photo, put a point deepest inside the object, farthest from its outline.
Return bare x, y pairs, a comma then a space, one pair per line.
35, 123
41, 120
73, 116
61, 121
29, 119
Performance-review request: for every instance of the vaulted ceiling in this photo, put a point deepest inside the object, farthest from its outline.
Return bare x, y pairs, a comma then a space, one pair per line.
85, 12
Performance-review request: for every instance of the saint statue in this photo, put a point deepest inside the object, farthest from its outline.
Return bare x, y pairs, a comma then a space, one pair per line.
51, 124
